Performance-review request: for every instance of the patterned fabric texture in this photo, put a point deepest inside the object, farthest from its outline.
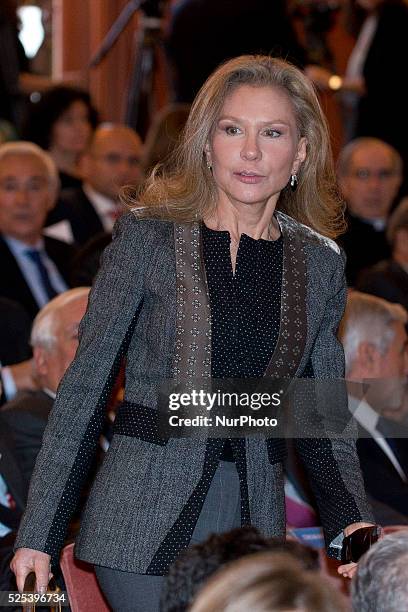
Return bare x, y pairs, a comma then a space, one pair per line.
147, 496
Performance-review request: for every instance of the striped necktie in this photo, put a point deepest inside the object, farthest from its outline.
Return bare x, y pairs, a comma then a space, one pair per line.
35, 256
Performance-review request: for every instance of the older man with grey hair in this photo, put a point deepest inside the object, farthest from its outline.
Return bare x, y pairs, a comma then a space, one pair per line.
381, 581
35, 268
54, 339
375, 341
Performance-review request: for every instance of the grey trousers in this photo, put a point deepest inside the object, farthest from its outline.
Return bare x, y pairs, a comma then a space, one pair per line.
221, 511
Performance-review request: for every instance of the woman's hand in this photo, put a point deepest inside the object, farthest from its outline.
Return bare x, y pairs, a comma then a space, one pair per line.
27, 560
348, 570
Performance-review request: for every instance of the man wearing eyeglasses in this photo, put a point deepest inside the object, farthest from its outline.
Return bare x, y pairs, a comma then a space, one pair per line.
112, 161
370, 174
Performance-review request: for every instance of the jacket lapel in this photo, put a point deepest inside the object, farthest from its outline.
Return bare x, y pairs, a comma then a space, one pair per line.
192, 357
291, 342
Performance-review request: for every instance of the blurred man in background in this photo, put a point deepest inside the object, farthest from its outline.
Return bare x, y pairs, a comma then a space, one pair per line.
375, 341
370, 174
112, 162
35, 268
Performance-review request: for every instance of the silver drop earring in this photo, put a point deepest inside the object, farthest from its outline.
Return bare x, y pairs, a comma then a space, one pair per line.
293, 182
209, 165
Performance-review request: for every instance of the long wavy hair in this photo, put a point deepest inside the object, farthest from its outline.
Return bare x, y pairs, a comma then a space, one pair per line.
187, 192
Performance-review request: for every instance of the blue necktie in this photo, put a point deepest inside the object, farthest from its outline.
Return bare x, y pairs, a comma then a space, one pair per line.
35, 257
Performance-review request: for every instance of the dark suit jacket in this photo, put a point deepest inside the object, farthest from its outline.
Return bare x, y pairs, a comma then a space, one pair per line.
87, 261
26, 416
15, 328
149, 301
384, 65
381, 479
74, 206
11, 473
12, 281
386, 280
364, 247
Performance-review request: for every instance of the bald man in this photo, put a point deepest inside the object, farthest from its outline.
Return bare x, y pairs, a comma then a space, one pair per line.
112, 161
54, 338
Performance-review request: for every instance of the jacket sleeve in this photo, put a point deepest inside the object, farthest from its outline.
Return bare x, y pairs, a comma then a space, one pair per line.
75, 422
332, 462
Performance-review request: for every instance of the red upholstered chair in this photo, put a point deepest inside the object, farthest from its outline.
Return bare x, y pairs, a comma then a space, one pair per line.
82, 587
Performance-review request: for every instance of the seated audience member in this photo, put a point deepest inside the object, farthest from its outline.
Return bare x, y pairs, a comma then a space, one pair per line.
62, 123
268, 582
381, 581
163, 134
197, 563
389, 278
112, 161
35, 268
370, 174
54, 339
375, 344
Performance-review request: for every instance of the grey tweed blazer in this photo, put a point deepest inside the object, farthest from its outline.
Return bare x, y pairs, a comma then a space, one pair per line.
149, 300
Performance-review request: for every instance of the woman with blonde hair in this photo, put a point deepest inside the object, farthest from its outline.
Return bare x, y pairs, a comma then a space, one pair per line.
225, 268
268, 582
